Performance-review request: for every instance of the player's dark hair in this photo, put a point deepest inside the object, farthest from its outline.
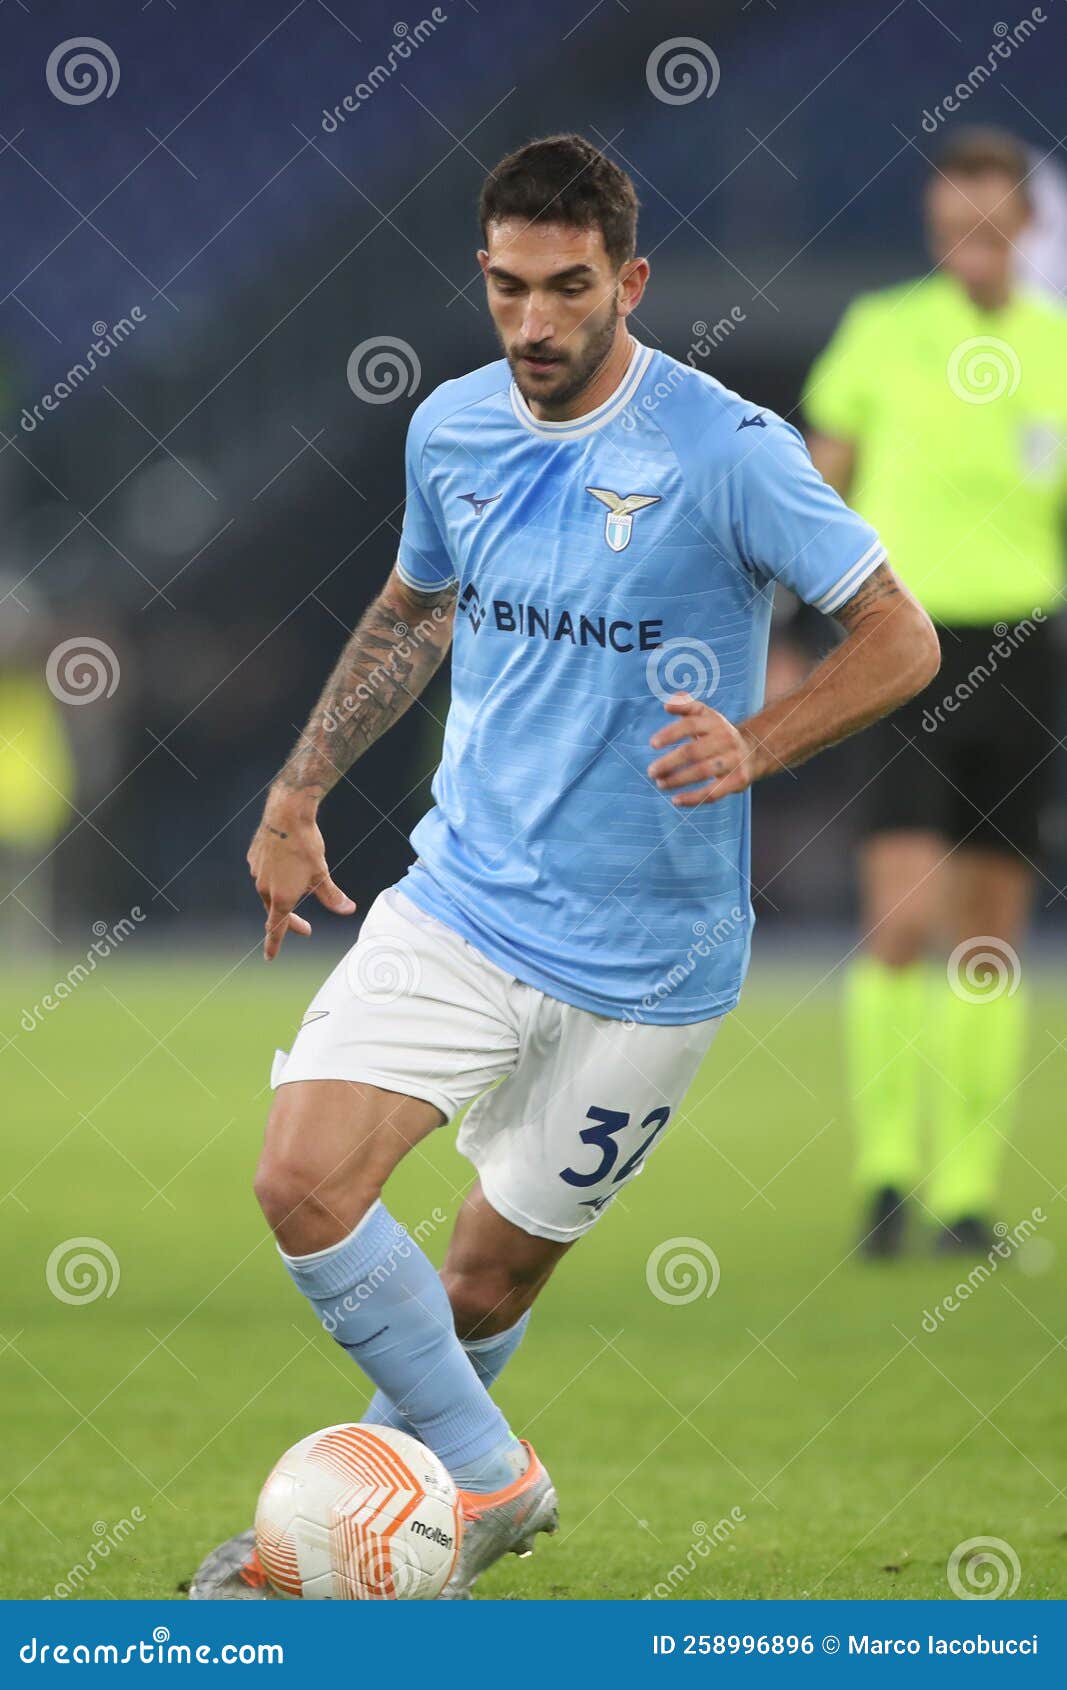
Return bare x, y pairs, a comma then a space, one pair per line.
564, 179
978, 150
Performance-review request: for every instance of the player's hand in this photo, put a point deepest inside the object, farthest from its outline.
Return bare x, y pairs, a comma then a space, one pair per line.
706, 748
287, 860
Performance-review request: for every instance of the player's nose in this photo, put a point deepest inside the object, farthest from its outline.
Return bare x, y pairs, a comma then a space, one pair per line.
536, 326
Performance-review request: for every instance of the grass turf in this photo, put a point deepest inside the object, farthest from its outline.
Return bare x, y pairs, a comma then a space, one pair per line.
845, 1449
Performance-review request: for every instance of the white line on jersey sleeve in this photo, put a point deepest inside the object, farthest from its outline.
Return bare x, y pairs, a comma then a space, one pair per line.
843, 589
422, 586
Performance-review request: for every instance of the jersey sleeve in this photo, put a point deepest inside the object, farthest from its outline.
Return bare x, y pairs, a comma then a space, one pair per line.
840, 385
790, 526
423, 559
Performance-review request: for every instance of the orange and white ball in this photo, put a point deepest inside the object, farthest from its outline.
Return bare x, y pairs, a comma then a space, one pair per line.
356, 1513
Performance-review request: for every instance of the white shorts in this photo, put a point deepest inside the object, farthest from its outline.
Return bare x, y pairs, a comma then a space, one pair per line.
566, 1104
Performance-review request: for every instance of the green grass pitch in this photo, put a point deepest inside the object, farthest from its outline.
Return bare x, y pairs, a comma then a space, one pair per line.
847, 1450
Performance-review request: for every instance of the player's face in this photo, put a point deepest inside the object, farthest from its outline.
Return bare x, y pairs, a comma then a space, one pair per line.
972, 226
558, 303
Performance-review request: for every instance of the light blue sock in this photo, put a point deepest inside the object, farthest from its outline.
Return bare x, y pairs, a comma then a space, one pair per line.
377, 1294
489, 1357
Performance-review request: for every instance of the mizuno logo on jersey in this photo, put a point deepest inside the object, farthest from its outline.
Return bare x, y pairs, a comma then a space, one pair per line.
758, 421
478, 505
619, 522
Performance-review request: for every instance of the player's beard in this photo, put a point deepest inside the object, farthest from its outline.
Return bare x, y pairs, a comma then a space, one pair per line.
576, 369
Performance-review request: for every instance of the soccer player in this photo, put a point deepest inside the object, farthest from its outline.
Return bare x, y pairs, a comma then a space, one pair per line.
941, 407
584, 516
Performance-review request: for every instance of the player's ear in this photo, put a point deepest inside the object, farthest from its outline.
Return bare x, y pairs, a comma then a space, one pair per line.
633, 279
483, 259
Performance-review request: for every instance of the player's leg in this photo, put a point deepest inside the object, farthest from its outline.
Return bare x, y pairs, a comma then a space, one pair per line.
553, 1145
901, 876
330, 1147
492, 1273
908, 810
1002, 767
411, 1025
978, 1036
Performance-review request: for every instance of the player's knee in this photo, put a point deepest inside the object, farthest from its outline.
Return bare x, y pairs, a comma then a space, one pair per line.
282, 1186
303, 1206
898, 944
487, 1300
277, 1189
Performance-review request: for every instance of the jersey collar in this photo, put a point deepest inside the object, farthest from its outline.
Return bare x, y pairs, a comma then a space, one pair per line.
578, 427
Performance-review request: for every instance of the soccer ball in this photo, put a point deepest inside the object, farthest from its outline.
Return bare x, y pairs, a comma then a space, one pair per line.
358, 1513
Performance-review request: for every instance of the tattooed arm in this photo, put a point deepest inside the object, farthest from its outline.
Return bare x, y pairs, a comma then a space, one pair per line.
394, 652
890, 653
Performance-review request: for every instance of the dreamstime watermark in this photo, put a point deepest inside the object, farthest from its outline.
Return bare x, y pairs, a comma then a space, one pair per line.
983, 369
82, 1270
78, 71
382, 369
408, 642
407, 41
107, 940
382, 971
158, 1651
1007, 642
709, 336
682, 664
984, 968
105, 1539
706, 338
705, 1538
1008, 1242
705, 940
983, 1569
682, 70
107, 339
681, 1270
1008, 38
81, 670
399, 1251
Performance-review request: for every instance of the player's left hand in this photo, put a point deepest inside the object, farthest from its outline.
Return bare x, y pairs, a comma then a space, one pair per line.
708, 748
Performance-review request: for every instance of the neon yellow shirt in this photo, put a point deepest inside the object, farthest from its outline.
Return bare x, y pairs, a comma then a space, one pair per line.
959, 418
36, 773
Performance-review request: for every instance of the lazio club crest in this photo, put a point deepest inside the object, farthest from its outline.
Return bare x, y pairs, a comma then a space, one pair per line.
619, 522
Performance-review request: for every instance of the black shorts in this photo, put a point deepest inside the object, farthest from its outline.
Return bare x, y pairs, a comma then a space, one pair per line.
972, 757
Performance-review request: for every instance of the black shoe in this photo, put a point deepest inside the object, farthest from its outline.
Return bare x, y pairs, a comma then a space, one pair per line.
883, 1229
968, 1236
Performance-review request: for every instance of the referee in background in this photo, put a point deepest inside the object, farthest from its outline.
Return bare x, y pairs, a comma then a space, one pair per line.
939, 410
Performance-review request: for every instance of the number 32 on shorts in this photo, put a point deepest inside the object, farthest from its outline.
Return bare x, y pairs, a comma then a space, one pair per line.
602, 1137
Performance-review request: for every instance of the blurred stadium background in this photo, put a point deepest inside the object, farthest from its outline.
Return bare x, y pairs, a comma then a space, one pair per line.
216, 505
203, 518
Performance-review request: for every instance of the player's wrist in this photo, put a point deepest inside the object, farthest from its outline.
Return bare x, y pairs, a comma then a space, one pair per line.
757, 759
295, 805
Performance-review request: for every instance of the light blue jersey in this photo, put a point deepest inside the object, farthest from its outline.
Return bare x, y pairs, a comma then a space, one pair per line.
601, 565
